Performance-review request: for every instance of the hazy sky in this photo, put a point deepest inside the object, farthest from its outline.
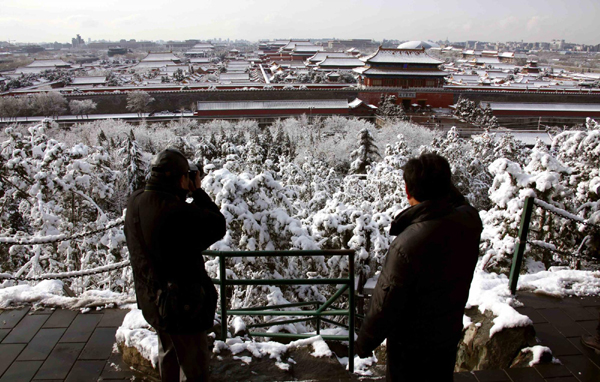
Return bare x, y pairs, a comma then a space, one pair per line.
457, 20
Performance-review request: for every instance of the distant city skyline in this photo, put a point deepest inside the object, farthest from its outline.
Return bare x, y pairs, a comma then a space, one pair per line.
38, 21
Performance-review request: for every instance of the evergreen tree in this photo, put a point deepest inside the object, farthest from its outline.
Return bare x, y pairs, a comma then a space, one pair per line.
102, 139
389, 108
366, 153
178, 75
135, 168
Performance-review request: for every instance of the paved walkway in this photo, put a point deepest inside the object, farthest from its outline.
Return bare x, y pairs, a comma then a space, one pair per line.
63, 345
559, 324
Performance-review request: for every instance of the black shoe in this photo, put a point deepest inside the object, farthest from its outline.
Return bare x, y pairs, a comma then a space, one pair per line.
592, 342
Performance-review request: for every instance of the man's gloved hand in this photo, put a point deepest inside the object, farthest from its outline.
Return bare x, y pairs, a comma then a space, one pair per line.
196, 182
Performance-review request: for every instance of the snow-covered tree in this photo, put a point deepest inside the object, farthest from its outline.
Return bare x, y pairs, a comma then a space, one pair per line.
83, 107
139, 102
469, 111
388, 108
178, 75
366, 153
50, 104
133, 163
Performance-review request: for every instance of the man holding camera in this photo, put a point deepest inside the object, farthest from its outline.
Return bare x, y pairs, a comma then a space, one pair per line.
166, 236
420, 296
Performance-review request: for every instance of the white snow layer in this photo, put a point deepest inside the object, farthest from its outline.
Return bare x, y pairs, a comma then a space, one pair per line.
135, 332
489, 291
538, 351
50, 293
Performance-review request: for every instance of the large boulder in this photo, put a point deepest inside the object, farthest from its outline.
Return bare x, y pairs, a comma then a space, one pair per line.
480, 351
133, 358
239, 358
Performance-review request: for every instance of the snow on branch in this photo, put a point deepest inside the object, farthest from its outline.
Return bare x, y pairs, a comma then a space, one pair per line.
561, 212
55, 238
72, 274
542, 244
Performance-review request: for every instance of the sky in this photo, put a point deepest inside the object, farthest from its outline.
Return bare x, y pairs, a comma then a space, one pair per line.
456, 20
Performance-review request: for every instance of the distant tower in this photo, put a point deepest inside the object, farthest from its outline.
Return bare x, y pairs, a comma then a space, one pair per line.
77, 42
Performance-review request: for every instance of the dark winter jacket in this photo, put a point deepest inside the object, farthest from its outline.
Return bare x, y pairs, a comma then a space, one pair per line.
174, 235
422, 290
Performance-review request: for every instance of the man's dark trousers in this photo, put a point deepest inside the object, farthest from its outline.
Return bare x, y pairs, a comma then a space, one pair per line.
407, 364
183, 357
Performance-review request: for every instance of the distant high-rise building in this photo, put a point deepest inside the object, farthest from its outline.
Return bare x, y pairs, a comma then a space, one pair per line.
77, 42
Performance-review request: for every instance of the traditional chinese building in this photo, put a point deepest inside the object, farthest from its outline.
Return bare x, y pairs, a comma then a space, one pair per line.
405, 68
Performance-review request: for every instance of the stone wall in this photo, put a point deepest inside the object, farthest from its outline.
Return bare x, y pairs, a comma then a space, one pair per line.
113, 103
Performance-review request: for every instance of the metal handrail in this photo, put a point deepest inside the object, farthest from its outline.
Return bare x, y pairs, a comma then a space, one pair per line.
316, 314
521, 241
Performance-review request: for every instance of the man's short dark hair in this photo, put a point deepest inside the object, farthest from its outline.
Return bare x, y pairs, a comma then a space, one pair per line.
428, 177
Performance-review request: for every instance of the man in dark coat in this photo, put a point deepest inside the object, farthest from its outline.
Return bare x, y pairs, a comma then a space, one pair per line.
166, 237
418, 303
593, 342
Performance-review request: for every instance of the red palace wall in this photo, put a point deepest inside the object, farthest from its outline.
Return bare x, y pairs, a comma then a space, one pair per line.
541, 113
441, 99
269, 112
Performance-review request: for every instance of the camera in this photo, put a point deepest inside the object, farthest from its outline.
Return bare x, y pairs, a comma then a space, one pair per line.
196, 168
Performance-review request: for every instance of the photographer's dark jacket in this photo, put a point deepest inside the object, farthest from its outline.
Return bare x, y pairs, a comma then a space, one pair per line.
166, 237
422, 290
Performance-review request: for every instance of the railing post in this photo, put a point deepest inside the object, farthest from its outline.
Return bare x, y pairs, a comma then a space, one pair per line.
351, 313
318, 323
520, 244
223, 277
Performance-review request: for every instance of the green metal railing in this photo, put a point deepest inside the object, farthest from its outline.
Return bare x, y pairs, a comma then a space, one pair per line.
320, 311
521, 242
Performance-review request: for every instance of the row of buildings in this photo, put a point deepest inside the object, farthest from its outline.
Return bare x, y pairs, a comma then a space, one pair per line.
422, 75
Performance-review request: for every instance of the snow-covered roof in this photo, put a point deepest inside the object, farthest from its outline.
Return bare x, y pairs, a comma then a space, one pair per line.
390, 72
348, 62
273, 104
357, 102
502, 65
173, 68
486, 60
48, 63
292, 44
307, 49
320, 56
238, 65
160, 57
401, 56
528, 138
507, 54
293, 64
234, 77
418, 45
152, 64
93, 80
36, 70
580, 107
489, 53
200, 60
